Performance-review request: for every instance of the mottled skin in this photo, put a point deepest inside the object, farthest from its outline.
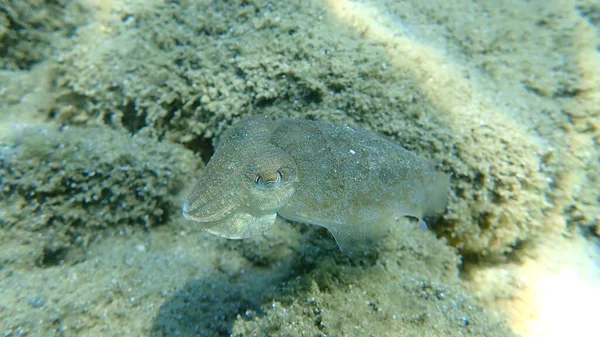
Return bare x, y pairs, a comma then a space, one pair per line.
351, 182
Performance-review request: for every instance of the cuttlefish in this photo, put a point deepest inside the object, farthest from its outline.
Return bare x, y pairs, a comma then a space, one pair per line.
354, 183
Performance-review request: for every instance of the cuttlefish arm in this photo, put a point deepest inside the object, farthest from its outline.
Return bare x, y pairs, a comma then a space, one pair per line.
244, 184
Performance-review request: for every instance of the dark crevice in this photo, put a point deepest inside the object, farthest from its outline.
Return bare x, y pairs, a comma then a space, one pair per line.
591, 12
52, 257
202, 146
133, 119
263, 102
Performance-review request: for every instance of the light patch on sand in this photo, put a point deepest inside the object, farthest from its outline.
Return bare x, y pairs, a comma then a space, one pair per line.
440, 78
564, 287
588, 61
553, 291
100, 11
105, 14
27, 96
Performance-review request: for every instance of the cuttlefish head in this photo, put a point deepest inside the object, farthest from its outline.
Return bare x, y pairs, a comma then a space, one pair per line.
241, 189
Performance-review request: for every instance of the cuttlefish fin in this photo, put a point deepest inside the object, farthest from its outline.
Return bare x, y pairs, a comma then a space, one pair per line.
355, 239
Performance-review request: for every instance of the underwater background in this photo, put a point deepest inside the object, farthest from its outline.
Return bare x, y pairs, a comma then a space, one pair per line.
110, 109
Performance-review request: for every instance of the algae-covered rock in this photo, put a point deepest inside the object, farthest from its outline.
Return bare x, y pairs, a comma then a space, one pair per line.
187, 69
63, 188
30, 30
170, 72
410, 288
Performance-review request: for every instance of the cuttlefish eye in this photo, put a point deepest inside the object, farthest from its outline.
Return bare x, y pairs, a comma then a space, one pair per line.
269, 180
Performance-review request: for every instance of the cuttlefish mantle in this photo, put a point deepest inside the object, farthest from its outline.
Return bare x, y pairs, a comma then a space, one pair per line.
352, 182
